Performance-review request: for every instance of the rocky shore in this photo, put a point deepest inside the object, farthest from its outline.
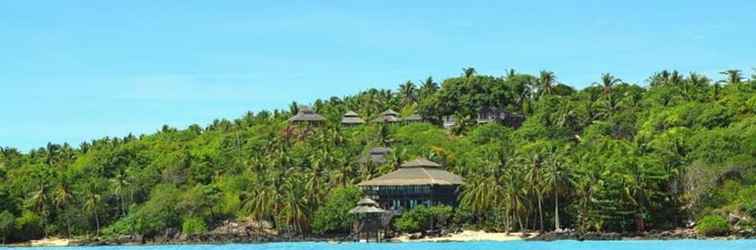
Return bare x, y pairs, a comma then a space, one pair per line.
676, 234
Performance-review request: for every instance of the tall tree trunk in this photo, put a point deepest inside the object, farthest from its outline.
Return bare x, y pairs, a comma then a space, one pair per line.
540, 212
556, 211
97, 223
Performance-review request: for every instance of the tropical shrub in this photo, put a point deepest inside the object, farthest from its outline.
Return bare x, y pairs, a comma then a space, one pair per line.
193, 225
712, 225
334, 215
423, 218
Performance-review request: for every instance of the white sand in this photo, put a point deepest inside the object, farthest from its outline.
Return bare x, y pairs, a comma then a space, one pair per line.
469, 235
50, 242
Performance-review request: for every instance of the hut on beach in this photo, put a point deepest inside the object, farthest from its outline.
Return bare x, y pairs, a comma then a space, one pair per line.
351, 118
307, 117
417, 182
371, 220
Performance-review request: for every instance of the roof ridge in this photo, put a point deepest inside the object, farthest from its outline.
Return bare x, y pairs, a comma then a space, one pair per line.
425, 170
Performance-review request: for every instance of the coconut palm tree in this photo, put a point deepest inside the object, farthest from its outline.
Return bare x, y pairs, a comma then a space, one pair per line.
408, 93
295, 205
732, 76
558, 178
468, 72
62, 197
607, 82
39, 204
92, 203
546, 82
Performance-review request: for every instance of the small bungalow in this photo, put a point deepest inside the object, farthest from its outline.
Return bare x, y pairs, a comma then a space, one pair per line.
488, 115
376, 156
351, 118
388, 116
414, 118
417, 182
306, 116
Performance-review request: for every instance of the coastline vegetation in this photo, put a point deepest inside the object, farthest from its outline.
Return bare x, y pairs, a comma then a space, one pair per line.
611, 157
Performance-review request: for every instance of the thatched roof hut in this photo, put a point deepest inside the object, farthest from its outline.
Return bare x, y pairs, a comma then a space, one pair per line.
375, 155
389, 116
351, 118
418, 172
367, 206
306, 115
413, 118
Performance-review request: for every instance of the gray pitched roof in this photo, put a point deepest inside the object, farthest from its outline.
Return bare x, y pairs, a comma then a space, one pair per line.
352, 118
413, 118
388, 116
376, 155
306, 115
417, 172
420, 162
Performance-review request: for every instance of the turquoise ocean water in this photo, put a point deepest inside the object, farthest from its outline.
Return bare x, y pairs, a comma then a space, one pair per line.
512, 245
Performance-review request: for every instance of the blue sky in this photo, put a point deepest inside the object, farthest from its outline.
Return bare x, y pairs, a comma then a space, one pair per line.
72, 71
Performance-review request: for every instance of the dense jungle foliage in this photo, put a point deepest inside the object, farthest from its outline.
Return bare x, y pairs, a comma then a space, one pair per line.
613, 156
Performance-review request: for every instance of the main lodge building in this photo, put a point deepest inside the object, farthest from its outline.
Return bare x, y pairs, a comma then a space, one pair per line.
418, 182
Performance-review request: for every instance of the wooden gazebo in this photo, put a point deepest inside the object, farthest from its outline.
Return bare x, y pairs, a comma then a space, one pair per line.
417, 182
370, 220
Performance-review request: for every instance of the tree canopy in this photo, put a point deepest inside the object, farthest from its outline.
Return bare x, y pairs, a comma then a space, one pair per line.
613, 156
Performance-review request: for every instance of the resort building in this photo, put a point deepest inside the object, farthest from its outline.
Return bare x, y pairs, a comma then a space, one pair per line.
412, 119
351, 118
307, 117
375, 156
388, 116
488, 115
417, 182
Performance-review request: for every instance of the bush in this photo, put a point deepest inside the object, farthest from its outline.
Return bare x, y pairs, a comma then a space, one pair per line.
423, 218
749, 208
28, 226
7, 223
712, 225
193, 225
334, 215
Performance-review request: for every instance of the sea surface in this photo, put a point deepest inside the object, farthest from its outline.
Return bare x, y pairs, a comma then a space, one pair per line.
513, 245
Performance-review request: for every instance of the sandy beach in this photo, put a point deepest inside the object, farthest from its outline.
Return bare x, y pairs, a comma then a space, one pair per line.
50, 242
469, 235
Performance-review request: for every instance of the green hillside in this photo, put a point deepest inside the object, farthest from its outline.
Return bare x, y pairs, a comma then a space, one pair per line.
614, 157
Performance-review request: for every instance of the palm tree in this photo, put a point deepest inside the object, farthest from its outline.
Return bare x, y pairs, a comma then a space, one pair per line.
38, 201
296, 207
428, 88
482, 195
608, 81
511, 73
262, 203
546, 82
408, 93
468, 72
534, 177
91, 203
62, 197
557, 177
732, 76
120, 188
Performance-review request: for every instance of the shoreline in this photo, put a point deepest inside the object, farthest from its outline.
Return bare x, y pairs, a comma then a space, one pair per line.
464, 236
